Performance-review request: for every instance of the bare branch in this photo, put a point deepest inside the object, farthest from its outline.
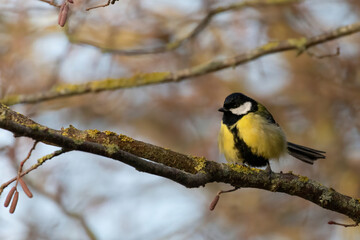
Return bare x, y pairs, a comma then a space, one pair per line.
27, 157
40, 161
51, 2
337, 53
299, 44
200, 26
186, 170
99, 6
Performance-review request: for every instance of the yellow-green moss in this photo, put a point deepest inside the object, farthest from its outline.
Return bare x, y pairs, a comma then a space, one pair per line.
109, 133
243, 169
303, 179
280, 1
34, 126
135, 80
299, 43
92, 132
68, 88
325, 198
4, 106
111, 148
11, 100
154, 77
104, 84
274, 184
3, 115
200, 163
44, 158
78, 141
353, 202
66, 131
270, 46
173, 45
125, 138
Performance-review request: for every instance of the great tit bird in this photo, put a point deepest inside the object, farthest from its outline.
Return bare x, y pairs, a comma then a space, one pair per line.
250, 135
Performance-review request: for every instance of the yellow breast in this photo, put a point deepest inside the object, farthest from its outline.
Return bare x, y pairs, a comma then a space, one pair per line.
264, 138
227, 144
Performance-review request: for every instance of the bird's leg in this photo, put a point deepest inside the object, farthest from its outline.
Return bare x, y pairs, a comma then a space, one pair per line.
268, 169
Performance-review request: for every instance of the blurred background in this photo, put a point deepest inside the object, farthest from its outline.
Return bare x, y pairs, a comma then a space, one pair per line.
83, 196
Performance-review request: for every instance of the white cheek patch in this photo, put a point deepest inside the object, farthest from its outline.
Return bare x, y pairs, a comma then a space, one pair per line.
242, 109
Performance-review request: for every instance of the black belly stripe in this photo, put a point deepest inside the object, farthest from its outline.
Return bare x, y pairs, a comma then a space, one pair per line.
245, 152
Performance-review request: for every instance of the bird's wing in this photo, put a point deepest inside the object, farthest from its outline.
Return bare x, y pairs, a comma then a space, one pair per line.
266, 114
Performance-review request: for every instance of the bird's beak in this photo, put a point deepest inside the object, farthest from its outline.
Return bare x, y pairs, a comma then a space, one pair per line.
223, 110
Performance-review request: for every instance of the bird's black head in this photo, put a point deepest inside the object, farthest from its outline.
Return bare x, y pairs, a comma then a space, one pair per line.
237, 105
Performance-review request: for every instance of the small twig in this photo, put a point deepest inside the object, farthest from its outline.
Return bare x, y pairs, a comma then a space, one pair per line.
20, 180
51, 2
342, 224
40, 161
99, 6
198, 28
217, 198
23, 162
337, 53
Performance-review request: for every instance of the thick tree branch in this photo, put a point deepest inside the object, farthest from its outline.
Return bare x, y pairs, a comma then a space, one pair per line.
177, 43
187, 170
299, 44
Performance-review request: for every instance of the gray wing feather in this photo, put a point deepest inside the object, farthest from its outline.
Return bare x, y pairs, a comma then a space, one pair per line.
305, 154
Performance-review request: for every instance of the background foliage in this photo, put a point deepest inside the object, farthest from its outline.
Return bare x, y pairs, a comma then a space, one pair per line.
80, 196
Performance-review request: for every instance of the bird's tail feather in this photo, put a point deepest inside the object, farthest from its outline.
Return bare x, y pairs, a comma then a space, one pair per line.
305, 154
